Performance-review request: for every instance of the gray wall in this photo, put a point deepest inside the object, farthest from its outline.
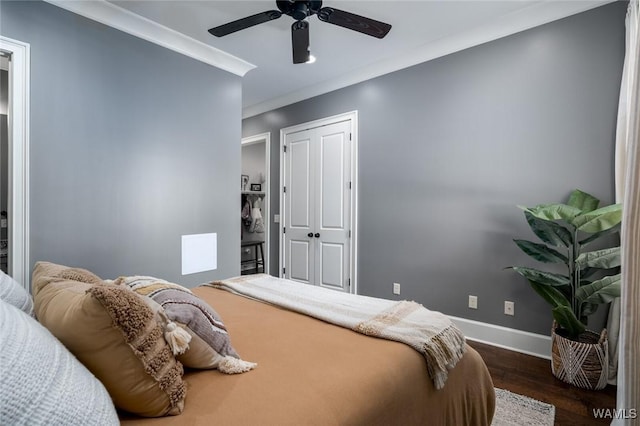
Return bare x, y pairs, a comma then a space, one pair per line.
132, 146
253, 162
448, 148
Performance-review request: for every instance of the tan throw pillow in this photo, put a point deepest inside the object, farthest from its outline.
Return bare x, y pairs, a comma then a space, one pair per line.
210, 345
46, 272
113, 332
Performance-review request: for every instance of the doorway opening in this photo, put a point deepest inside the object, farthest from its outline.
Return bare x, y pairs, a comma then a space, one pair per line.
16, 61
254, 204
4, 161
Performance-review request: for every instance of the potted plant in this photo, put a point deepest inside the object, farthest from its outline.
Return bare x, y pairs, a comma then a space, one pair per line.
589, 277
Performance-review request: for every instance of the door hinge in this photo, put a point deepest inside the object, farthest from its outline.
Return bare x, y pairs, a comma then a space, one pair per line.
284, 147
349, 282
349, 184
284, 270
349, 233
284, 189
349, 136
284, 230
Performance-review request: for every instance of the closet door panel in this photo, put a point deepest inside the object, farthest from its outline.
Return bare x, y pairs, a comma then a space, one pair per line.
299, 208
299, 261
333, 165
299, 187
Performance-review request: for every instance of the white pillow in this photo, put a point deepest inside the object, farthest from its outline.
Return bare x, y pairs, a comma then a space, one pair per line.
13, 293
42, 382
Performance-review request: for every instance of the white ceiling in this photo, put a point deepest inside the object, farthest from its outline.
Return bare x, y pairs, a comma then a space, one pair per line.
422, 30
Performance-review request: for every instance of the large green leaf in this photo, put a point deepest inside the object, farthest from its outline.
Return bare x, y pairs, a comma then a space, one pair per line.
551, 294
583, 201
599, 220
542, 277
603, 259
553, 211
567, 320
601, 291
541, 252
548, 231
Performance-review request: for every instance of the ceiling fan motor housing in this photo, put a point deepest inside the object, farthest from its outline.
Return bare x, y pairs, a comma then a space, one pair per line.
299, 10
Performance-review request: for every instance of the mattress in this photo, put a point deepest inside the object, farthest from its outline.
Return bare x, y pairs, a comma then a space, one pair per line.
313, 373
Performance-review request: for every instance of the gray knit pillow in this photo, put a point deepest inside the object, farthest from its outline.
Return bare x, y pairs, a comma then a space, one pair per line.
42, 382
13, 293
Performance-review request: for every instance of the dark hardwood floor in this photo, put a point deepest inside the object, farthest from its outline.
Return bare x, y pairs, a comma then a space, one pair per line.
531, 376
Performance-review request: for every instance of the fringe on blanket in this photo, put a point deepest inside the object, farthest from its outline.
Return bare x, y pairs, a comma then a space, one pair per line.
439, 354
442, 350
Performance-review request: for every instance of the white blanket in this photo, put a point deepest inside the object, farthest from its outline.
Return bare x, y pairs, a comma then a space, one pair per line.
431, 333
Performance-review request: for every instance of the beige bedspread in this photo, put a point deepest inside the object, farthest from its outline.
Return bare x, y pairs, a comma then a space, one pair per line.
313, 373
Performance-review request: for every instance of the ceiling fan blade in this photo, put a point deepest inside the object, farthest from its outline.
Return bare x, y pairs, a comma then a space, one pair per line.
243, 23
300, 41
354, 22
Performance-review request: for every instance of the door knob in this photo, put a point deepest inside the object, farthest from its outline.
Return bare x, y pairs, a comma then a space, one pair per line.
317, 235
310, 235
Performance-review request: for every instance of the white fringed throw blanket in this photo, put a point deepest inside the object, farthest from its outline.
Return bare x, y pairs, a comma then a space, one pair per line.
431, 333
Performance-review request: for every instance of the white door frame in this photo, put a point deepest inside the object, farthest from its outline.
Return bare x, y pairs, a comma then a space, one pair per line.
250, 140
353, 246
18, 129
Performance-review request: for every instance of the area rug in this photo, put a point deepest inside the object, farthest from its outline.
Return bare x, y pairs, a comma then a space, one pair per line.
513, 409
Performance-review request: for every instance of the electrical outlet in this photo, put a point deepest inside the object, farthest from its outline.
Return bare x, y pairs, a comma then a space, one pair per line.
396, 288
473, 302
509, 308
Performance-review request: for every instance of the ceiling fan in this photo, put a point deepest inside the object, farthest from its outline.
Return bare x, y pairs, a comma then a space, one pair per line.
300, 11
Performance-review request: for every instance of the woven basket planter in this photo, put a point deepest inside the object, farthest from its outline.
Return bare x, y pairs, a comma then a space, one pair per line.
583, 363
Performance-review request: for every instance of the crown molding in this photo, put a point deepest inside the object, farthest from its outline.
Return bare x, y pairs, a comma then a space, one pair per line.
138, 26
512, 23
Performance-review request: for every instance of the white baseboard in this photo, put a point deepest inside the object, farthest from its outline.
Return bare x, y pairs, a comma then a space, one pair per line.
504, 337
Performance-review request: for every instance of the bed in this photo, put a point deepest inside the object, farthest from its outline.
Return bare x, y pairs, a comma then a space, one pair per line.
313, 373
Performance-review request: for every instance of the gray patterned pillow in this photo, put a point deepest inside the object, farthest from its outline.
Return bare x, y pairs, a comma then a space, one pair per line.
42, 382
210, 345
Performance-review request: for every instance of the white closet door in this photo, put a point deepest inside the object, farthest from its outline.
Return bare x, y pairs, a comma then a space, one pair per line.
333, 166
299, 206
317, 205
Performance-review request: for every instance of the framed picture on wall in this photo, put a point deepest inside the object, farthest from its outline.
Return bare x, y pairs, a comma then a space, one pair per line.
256, 187
244, 181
